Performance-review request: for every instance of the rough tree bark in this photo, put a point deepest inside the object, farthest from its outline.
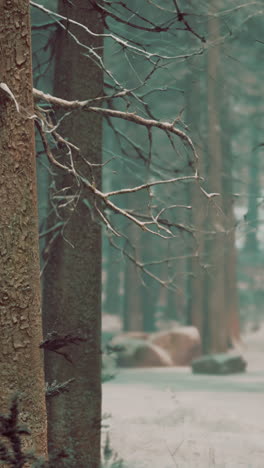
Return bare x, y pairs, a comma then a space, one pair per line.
72, 280
21, 363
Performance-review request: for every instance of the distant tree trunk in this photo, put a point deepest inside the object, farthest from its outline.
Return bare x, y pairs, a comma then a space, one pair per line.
149, 291
196, 280
251, 244
72, 283
231, 291
230, 255
149, 304
140, 295
216, 339
112, 281
132, 312
212, 295
196, 307
173, 302
21, 363
113, 267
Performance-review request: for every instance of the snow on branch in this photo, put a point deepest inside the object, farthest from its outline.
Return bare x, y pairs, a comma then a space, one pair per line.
130, 116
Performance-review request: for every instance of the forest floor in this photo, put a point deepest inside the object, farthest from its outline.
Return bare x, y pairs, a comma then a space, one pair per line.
168, 417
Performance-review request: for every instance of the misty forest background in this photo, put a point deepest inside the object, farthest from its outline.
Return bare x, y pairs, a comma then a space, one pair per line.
149, 151
212, 265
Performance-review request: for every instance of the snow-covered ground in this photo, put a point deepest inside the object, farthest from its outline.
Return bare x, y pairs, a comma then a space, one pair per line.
167, 418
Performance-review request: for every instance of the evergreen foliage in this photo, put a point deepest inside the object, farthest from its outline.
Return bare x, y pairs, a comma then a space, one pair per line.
13, 454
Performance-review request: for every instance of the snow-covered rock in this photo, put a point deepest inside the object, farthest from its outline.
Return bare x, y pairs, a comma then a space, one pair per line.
219, 364
183, 344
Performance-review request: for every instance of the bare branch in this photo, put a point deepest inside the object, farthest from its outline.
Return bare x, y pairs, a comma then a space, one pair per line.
129, 116
151, 184
181, 18
123, 43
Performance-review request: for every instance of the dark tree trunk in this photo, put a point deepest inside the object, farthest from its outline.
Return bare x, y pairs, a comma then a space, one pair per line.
72, 283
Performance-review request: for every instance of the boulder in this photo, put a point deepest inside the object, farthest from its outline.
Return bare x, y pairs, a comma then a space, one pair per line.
183, 344
219, 364
133, 352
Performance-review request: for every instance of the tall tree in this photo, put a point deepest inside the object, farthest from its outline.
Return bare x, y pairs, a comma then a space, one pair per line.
230, 253
21, 363
72, 283
216, 335
132, 312
195, 263
213, 305
222, 303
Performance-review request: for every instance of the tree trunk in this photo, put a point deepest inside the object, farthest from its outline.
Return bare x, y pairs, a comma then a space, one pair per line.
251, 243
21, 361
213, 306
230, 254
196, 280
112, 281
72, 283
132, 313
217, 335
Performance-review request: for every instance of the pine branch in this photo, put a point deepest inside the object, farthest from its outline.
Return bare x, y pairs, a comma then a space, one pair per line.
11, 430
56, 389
